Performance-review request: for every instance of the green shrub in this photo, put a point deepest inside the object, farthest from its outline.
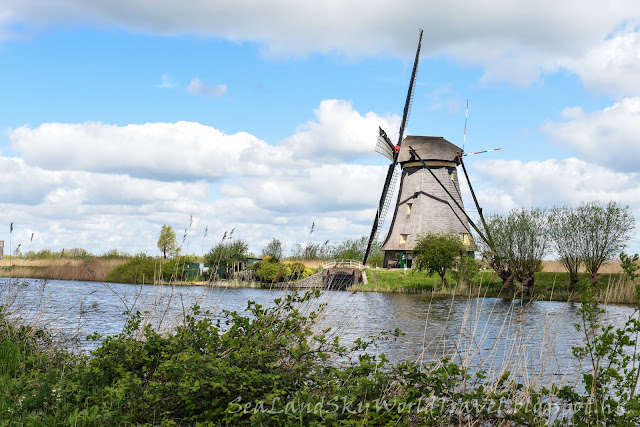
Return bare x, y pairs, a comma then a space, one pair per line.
465, 270
307, 272
139, 269
271, 272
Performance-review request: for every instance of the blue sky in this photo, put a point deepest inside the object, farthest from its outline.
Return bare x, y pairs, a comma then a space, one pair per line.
117, 118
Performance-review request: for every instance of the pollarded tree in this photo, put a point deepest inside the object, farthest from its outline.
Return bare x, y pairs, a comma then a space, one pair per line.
607, 230
521, 241
566, 232
167, 241
437, 253
495, 257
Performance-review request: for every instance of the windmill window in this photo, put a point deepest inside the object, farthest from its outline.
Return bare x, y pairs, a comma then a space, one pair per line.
409, 208
451, 175
465, 239
403, 238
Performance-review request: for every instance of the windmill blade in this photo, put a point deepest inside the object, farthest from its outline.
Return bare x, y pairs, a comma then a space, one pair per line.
387, 201
390, 173
408, 102
376, 222
384, 145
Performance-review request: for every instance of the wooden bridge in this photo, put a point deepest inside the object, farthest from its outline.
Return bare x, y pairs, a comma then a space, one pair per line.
340, 274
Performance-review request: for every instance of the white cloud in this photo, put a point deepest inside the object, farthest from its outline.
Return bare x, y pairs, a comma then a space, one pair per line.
513, 41
611, 66
339, 133
553, 182
198, 87
608, 137
164, 151
191, 151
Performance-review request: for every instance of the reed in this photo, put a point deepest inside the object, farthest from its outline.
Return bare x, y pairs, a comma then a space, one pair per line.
83, 269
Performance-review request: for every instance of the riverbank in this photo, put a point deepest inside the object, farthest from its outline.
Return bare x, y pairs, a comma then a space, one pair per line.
552, 284
549, 286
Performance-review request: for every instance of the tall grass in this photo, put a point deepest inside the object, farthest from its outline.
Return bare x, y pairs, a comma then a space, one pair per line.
83, 269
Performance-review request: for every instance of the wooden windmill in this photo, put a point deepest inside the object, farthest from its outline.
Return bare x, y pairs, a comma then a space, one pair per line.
429, 198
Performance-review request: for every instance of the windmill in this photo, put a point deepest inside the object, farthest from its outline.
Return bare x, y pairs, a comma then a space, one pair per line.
429, 198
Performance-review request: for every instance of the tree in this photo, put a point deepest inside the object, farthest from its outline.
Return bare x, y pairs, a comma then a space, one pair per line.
436, 253
273, 249
566, 231
225, 253
520, 243
607, 230
167, 241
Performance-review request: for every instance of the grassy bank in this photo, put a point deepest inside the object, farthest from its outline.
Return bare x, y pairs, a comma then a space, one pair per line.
549, 286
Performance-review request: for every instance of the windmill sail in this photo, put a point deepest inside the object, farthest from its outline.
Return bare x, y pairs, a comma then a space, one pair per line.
384, 145
379, 219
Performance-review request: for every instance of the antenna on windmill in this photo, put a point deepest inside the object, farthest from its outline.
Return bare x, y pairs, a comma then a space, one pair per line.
464, 137
391, 152
466, 116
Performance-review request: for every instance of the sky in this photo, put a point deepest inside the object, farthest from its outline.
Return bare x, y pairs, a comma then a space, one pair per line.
117, 117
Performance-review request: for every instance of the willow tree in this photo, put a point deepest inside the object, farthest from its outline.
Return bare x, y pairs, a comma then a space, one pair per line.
521, 241
606, 231
566, 232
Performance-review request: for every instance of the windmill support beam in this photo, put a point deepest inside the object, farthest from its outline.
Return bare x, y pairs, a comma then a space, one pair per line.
488, 240
475, 227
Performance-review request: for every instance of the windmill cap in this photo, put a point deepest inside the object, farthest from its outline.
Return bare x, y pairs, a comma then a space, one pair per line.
428, 148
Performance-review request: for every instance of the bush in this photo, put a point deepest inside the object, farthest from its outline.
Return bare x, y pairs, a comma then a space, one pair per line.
139, 269
465, 270
270, 271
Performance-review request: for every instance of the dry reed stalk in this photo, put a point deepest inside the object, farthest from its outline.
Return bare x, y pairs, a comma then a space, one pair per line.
612, 266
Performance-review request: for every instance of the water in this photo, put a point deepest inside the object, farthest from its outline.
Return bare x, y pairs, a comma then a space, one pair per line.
533, 340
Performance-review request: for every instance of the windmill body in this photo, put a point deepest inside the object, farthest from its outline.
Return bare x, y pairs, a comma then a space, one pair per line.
429, 198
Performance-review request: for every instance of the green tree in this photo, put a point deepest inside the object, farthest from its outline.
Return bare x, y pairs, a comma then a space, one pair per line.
437, 253
566, 229
591, 234
607, 230
225, 253
521, 241
273, 249
167, 241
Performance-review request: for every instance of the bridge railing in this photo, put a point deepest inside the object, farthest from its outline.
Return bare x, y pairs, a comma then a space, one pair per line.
349, 263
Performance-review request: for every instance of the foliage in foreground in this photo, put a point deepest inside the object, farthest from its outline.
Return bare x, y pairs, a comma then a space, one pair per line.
269, 366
